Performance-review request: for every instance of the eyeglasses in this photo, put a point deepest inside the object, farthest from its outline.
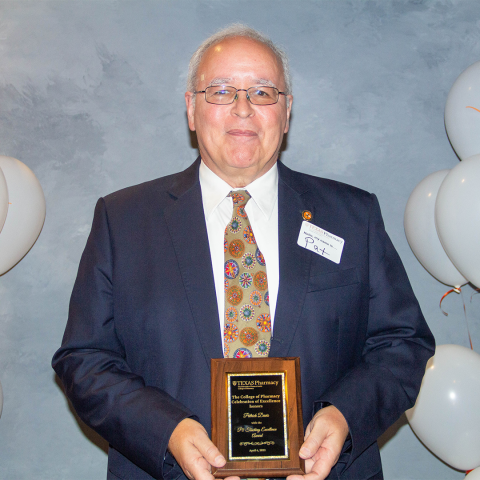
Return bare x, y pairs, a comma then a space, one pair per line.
225, 94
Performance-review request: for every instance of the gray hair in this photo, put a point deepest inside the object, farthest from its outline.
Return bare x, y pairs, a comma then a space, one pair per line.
237, 30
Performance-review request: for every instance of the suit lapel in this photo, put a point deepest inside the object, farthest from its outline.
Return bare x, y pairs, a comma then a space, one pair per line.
186, 223
294, 260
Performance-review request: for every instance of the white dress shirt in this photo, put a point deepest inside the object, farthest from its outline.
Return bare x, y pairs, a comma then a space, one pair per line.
262, 211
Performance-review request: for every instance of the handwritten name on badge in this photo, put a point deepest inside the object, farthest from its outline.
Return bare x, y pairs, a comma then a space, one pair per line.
321, 242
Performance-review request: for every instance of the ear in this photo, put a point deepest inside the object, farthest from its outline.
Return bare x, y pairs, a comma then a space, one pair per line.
190, 101
289, 99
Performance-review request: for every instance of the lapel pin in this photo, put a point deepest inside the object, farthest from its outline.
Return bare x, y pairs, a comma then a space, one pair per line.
307, 215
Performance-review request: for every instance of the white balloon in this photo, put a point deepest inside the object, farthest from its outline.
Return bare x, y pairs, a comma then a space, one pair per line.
446, 416
3, 199
462, 112
26, 212
473, 475
457, 217
419, 224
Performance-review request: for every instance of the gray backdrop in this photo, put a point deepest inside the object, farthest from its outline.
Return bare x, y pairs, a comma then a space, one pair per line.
91, 99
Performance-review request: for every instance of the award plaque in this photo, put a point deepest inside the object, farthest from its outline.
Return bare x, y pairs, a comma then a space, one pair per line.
257, 416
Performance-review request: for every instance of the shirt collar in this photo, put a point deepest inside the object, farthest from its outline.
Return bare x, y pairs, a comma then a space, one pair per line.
263, 191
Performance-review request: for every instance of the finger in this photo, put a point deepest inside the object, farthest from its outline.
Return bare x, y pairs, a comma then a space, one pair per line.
209, 451
318, 470
308, 430
328, 430
308, 476
324, 460
200, 468
308, 468
190, 445
196, 467
331, 446
324, 439
313, 441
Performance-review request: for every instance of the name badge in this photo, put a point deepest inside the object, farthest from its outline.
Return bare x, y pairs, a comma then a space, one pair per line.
321, 242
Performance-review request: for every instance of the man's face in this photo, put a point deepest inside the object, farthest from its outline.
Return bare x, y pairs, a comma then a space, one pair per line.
240, 141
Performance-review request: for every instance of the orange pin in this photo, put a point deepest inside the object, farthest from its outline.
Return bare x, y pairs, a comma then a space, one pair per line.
307, 215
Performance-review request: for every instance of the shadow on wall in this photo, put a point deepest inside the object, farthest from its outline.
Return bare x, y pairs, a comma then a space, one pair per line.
93, 436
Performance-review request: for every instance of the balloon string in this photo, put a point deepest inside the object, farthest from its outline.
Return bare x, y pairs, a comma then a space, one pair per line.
466, 321
456, 290
477, 290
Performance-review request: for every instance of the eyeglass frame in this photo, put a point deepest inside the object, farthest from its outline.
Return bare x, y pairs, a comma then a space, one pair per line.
235, 98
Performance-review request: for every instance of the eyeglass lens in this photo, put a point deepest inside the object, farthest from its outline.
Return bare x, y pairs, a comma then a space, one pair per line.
224, 94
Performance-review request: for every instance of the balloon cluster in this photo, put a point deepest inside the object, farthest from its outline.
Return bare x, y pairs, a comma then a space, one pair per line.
446, 417
22, 211
442, 216
442, 225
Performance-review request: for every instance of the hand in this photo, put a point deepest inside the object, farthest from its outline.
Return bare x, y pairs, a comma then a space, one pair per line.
324, 439
194, 451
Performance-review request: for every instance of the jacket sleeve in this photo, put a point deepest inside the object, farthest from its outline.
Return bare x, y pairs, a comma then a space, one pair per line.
374, 393
137, 420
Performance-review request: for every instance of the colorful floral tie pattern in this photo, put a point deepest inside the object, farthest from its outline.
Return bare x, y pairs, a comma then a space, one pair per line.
248, 325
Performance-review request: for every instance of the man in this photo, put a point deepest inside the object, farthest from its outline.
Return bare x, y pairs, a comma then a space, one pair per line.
147, 310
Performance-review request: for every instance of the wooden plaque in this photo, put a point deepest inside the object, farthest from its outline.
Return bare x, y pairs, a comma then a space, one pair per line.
257, 416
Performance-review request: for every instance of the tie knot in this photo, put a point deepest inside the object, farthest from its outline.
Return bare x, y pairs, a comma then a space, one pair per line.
239, 197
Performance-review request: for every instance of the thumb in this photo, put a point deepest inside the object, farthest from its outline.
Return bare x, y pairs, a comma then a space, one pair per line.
312, 443
210, 452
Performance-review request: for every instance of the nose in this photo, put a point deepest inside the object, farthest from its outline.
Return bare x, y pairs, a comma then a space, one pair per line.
241, 105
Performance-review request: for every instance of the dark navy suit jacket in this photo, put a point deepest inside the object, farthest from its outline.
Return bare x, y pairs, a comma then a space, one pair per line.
143, 323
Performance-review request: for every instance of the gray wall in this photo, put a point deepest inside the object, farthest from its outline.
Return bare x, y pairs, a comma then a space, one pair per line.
91, 99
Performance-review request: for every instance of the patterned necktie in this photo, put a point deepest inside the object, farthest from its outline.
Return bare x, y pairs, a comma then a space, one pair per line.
248, 327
